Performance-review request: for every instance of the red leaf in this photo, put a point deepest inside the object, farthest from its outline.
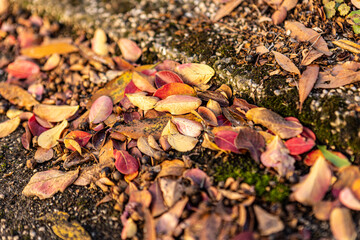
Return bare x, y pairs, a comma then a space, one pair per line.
23, 68
251, 140
165, 77
35, 128
226, 140
174, 88
223, 121
125, 163
299, 145
82, 138
131, 88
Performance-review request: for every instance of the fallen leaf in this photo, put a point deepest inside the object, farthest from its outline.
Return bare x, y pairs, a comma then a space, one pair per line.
309, 56
43, 154
129, 49
142, 101
348, 45
342, 225
333, 158
49, 138
171, 189
225, 140
142, 197
198, 177
165, 77
144, 147
101, 109
178, 104
181, 143
187, 127
46, 184
226, 9
26, 137
268, 223
348, 199
307, 82
174, 88
38, 52
4, 6
35, 128
289, 4
195, 73
214, 106
279, 15
251, 140
285, 63
167, 65
314, 186
23, 69
9, 126
339, 75
303, 34
80, 138
157, 204
356, 3
125, 163
277, 156
98, 42
143, 82
322, 210
274, 122
52, 62
17, 96
114, 89
65, 229
54, 113
299, 145
144, 127
171, 168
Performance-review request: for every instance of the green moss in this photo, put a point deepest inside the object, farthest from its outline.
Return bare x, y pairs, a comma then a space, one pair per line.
266, 186
2, 166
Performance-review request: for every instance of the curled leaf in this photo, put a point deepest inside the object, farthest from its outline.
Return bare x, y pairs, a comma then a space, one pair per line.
178, 104
188, 127
144, 147
100, 109
314, 186
52, 62
165, 77
348, 199
143, 82
299, 145
53, 113
307, 81
80, 137
49, 138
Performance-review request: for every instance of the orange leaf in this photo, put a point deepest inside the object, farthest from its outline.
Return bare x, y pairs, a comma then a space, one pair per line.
174, 88
307, 81
9, 126
49, 49
285, 63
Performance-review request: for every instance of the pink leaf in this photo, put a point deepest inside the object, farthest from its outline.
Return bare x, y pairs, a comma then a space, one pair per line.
23, 68
100, 109
129, 49
125, 163
348, 199
188, 127
35, 128
225, 139
165, 77
299, 145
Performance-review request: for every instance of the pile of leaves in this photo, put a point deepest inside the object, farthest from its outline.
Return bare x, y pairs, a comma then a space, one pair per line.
120, 139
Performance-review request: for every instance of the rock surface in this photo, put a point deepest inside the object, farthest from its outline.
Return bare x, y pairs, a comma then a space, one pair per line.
182, 30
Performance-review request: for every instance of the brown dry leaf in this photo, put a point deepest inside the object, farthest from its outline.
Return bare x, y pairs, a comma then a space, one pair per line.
289, 4
46, 184
182, 143
348, 45
157, 205
17, 96
38, 52
323, 209
251, 140
144, 147
268, 223
171, 189
342, 225
43, 154
65, 229
303, 34
339, 75
310, 56
285, 63
226, 9
9, 126
144, 127
171, 168
347, 175
49, 138
279, 15
307, 81
274, 122
54, 113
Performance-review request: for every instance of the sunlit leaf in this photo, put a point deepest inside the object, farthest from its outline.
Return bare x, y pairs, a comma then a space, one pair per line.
307, 81
251, 140
49, 138
208, 116
46, 184
274, 122
17, 96
195, 73
175, 88
43, 154
334, 159
125, 163
52, 62
129, 49
143, 82
100, 109
187, 127
342, 225
54, 113
23, 68
98, 42
315, 185
26, 137
182, 143
178, 104
144, 147
165, 77
9, 126
142, 101
348, 199
285, 63
48, 49
299, 145
225, 140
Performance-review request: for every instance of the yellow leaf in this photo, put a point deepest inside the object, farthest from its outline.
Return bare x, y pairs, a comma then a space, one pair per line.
16, 95
182, 143
9, 126
49, 49
71, 142
53, 113
48, 139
